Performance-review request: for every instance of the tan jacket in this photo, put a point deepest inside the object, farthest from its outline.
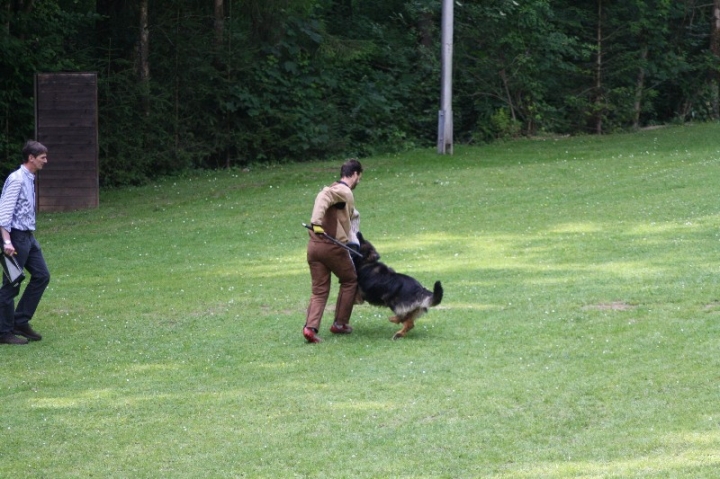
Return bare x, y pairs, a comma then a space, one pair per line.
333, 210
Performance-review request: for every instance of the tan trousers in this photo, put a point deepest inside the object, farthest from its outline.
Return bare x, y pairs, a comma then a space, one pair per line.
324, 259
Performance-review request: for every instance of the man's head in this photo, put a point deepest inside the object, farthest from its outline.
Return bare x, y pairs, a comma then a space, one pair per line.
34, 155
351, 172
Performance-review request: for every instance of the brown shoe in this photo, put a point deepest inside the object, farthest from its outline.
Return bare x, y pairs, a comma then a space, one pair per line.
10, 338
337, 328
311, 335
28, 332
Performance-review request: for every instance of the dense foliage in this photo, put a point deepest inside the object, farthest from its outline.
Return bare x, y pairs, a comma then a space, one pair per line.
188, 84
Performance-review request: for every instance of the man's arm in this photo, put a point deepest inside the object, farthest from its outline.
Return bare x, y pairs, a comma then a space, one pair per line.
8, 201
328, 197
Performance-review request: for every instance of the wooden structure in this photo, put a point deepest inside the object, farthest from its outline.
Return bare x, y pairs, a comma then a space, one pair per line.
66, 122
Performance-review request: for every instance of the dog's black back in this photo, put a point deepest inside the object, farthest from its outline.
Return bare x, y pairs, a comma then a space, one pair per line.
382, 286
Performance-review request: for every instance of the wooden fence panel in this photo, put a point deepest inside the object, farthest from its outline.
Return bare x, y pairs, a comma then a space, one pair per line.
66, 123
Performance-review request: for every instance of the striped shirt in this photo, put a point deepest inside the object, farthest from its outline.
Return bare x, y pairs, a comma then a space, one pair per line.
17, 203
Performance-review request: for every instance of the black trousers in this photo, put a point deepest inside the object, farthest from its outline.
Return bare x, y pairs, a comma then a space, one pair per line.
30, 257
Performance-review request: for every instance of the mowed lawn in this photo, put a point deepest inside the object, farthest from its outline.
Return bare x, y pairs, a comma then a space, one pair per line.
578, 336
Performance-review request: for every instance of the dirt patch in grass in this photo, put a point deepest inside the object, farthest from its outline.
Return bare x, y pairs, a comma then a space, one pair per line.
712, 306
612, 306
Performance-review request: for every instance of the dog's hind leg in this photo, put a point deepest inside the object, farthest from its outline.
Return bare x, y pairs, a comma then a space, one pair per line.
408, 324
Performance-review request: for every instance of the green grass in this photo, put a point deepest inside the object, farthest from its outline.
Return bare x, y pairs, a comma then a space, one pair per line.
578, 336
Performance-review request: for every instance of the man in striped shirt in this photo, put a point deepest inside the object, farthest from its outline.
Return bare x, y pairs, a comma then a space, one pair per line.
17, 224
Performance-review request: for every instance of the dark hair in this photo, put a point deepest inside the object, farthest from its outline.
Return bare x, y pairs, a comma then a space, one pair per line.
350, 167
34, 148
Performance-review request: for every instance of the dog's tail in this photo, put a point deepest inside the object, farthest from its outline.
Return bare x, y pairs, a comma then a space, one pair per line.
437, 294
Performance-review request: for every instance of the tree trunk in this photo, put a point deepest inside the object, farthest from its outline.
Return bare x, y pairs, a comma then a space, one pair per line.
176, 84
715, 49
19, 6
639, 87
508, 95
219, 24
144, 54
6, 26
425, 23
598, 96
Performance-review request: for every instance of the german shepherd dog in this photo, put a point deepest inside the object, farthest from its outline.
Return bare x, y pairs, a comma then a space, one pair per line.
381, 286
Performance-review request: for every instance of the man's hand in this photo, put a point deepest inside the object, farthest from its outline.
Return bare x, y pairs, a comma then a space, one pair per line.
318, 230
8, 247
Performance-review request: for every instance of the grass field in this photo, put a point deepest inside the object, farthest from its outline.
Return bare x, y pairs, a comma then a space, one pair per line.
578, 336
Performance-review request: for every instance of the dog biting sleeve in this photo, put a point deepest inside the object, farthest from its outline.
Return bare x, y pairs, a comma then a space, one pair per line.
354, 227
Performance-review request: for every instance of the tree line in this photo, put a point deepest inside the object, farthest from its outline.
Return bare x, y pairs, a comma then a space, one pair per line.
186, 84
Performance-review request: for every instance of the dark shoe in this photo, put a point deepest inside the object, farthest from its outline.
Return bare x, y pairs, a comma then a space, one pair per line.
311, 335
341, 328
10, 338
28, 332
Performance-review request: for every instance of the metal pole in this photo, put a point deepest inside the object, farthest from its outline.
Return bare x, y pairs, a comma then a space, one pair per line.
445, 115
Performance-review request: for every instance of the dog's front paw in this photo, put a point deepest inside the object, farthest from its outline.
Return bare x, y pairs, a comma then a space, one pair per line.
398, 335
394, 319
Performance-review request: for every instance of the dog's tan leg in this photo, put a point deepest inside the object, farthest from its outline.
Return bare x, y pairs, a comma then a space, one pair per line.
408, 324
394, 319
